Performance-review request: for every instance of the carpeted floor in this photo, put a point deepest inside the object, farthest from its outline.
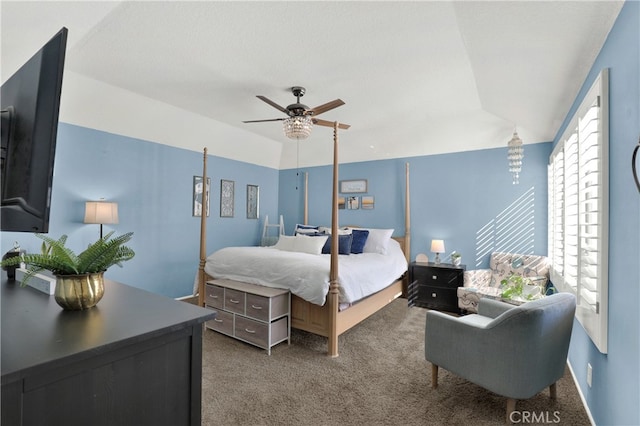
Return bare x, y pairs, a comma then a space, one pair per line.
380, 378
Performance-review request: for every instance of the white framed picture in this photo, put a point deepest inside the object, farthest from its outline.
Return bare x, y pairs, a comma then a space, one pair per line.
356, 186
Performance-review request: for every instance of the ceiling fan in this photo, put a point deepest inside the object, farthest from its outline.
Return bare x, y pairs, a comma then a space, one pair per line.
300, 118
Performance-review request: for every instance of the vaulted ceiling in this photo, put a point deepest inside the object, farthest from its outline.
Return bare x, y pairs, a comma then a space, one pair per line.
418, 78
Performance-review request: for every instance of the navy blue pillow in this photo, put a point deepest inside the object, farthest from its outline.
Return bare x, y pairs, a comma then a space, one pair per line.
344, 244
359, 239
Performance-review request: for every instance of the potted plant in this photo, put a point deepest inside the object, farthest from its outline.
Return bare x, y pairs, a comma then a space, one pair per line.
79, 278
456, 258
516, 287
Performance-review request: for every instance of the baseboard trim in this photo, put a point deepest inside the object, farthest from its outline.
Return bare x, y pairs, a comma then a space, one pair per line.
582, 398
185, 297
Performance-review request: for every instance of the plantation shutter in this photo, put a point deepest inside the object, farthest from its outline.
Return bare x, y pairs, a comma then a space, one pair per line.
578, 211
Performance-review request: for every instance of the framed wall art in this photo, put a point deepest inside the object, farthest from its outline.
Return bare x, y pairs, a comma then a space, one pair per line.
198, 196
367, 202
356, 186
226, 198
353, 202
253, 200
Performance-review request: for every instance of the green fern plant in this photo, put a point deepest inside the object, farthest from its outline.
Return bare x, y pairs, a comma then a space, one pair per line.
61, 260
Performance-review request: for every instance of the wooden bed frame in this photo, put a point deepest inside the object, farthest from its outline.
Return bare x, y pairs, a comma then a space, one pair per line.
326, 320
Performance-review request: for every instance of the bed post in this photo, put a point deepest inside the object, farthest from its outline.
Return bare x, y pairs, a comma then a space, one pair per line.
333, 271
407, 216
203, 231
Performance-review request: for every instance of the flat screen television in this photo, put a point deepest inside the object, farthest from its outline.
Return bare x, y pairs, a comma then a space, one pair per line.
30, 104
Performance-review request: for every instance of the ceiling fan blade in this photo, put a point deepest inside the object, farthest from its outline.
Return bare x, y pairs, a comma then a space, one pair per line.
273, 104
326, 107
326, 123
262, 121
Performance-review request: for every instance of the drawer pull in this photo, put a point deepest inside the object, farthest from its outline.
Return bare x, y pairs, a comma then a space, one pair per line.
434, 277
256, 307
213, 296
250, 331
234, 301
434, 295
218, 320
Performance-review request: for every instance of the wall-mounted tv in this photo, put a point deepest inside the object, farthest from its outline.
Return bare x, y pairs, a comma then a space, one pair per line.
30, 104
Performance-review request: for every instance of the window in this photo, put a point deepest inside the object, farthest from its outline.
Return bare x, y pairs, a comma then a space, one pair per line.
578, 211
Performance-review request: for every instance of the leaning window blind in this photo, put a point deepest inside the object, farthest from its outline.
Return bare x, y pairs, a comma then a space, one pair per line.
578, 211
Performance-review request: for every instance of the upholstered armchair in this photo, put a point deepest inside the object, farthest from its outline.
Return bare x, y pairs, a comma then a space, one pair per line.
481, 283
513, 351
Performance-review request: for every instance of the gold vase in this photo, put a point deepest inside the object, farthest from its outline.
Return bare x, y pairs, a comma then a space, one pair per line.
77, 292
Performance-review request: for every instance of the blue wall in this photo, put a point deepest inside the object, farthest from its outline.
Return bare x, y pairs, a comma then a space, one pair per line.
152, 184
467, 199
614, 396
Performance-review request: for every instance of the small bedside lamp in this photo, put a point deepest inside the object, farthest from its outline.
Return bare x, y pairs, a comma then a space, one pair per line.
437, 246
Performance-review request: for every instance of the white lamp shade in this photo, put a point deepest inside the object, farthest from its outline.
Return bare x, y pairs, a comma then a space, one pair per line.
100, 212
437, 246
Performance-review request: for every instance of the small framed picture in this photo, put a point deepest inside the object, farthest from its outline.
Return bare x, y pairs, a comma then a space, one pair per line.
356, 186
367, 202
200, 196
226, 198
253, 194
353, 203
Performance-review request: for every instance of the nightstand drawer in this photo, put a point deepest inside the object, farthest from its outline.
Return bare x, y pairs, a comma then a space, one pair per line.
234, 300
214, 296
437, 297
440, 277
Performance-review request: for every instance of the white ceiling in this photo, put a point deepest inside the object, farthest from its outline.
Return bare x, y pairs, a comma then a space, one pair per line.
418, 78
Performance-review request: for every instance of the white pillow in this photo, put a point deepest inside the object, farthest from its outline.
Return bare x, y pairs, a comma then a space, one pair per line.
377, 241
285, 243
311, 245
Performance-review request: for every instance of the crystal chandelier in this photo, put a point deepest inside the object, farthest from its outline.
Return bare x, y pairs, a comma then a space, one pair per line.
516, 153
297, 127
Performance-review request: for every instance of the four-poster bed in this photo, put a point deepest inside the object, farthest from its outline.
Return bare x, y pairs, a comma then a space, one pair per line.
327, 320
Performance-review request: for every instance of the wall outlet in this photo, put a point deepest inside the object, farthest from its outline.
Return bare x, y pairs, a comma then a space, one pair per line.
589, 374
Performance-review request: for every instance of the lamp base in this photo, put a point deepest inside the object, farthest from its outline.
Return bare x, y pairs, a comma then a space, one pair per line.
437, 259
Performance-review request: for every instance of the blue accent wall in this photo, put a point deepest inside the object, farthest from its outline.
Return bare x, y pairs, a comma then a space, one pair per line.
467, 199
615, 393
153, 186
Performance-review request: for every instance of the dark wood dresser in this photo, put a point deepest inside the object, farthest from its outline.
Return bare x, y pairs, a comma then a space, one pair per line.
134, 359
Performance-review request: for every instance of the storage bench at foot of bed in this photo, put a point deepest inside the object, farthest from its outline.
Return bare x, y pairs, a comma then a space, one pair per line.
252, 313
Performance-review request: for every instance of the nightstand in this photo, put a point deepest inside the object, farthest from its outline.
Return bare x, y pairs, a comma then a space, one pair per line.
435, 286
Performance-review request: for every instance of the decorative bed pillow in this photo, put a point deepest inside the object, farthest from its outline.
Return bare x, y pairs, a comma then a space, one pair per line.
310, 244
358, 241
285, 243
344, 244
377, 241
327, 230
307, 230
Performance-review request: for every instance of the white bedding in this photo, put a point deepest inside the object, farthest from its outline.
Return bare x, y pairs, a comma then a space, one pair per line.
307, 275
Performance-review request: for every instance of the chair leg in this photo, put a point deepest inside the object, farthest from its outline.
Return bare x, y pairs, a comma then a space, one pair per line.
511, 407
434, 376
553, 391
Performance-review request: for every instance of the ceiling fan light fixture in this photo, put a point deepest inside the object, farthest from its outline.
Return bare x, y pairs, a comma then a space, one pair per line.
297, 127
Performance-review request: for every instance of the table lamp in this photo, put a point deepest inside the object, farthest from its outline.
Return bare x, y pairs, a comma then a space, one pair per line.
437, 247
